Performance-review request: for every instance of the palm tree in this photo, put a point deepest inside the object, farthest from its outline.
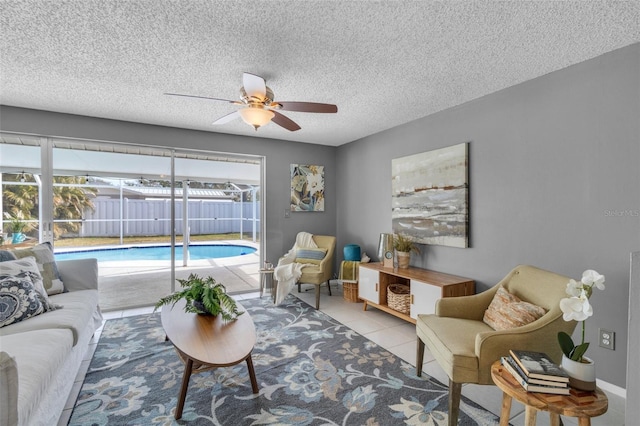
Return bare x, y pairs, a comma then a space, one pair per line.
69, 203
20, 200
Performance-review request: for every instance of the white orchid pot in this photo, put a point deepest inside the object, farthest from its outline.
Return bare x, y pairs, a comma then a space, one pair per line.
582, 375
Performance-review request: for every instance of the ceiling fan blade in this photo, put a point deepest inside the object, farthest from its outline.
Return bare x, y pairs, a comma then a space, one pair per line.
254, 85
227, 118
307, 107
285, 122
204, 98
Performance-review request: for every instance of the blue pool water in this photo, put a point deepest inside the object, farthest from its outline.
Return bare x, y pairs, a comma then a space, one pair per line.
196, 252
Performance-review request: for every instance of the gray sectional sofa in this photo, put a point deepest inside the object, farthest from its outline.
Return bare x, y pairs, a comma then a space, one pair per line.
41, 355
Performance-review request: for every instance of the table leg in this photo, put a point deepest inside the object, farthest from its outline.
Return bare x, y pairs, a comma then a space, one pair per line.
274, 288
188, 367
252, 375
263, 284
506, 409
555, 419
530, 416
584, 421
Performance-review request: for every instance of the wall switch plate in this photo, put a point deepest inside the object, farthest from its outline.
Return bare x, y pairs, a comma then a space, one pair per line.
287, 213
606, 338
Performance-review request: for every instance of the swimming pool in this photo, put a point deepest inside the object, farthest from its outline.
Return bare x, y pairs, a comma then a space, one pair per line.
196, 252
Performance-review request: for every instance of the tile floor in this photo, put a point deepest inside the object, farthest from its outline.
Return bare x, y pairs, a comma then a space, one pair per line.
393, 334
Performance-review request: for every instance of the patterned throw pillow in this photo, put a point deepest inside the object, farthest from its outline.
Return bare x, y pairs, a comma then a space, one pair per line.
27, 268
46, 264
18, 301
310, 255
507, 311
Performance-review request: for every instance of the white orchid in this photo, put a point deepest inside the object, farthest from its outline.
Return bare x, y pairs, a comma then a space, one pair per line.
573, 288
577, 308
591, 278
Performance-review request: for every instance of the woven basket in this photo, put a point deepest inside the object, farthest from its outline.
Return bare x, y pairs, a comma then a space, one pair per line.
350, 292
398, 298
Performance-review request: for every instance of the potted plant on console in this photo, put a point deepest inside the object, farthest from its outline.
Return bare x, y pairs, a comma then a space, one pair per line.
203, 296
404, 245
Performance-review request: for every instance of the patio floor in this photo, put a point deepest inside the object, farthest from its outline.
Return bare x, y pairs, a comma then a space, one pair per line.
132, 284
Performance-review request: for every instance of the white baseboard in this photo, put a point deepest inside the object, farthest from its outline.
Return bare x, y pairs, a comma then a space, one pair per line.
608, 387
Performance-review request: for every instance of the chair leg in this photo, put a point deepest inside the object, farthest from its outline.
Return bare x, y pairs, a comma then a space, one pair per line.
329, 286
455, 389
299, 288
317, 297
419, 357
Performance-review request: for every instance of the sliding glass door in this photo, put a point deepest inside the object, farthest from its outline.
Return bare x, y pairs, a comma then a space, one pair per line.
139, 210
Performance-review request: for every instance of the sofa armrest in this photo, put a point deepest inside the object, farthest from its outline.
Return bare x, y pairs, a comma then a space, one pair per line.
79, 274
465, 307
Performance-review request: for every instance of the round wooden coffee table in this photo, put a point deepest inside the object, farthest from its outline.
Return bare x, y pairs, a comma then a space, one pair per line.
580, 404
204, 342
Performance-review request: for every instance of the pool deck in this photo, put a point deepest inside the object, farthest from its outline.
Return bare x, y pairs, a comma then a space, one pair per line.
132, 284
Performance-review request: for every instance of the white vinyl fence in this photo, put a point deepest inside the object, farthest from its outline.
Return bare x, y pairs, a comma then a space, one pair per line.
153, 217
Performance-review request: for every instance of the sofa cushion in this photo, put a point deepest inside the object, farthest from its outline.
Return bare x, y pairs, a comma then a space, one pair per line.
38, 356
18, 300
507, 311
310, 255
46, 264
28, 268
78, 311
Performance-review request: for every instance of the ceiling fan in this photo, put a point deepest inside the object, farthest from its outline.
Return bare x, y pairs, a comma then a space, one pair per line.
259, 108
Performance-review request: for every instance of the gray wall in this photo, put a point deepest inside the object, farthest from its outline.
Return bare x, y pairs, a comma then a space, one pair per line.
553, 181
280, 232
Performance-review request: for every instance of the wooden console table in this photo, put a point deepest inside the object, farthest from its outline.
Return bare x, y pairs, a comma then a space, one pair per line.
426, 287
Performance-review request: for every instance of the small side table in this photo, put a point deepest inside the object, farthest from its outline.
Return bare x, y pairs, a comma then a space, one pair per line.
580, 404
266, 277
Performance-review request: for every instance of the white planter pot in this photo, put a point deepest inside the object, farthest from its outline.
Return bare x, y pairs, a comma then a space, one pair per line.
582, 375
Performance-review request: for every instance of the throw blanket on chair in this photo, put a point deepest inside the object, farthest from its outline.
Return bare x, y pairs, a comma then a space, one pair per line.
349, 271
288, 272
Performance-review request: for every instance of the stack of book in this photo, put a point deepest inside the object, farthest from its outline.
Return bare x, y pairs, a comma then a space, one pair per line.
536, 372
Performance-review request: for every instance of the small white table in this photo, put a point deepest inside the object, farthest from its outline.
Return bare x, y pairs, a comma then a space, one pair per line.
266, 277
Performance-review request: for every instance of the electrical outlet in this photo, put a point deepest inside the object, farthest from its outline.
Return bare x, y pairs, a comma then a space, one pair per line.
287, 213
607, 338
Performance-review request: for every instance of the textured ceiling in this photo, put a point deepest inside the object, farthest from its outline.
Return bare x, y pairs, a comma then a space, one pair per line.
382, 63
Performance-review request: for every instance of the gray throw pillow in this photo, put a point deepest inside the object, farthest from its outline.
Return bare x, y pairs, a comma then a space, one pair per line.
46, 264
6, 255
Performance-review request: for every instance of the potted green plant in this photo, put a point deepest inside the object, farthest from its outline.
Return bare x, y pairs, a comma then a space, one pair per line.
16, 226
404, 245
203, 296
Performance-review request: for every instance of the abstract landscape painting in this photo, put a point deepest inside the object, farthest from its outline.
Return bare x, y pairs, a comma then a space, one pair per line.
430, 193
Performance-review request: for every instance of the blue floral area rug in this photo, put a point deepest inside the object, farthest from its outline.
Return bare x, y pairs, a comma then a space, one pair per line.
311, 370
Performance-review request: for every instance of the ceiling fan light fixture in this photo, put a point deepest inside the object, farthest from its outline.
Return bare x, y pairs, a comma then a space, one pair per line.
255, 116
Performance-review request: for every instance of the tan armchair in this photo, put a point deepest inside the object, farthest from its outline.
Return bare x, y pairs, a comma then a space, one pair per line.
322, 273
465, 347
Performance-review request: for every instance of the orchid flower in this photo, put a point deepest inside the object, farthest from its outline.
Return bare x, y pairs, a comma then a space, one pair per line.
577, 308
